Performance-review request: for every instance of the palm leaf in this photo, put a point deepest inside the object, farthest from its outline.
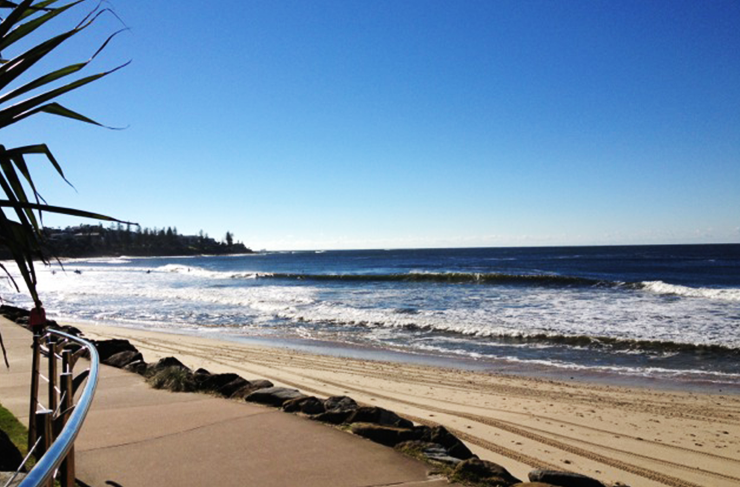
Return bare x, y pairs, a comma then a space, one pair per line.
24, 29
28, 107
62, 211
23, 235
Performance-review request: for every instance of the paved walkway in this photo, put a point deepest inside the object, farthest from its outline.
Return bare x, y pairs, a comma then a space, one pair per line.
138, 436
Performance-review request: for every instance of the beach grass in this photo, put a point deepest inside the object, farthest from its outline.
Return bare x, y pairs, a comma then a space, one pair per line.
175, 379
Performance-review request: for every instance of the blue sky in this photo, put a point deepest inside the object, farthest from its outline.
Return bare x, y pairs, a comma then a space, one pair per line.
386, 124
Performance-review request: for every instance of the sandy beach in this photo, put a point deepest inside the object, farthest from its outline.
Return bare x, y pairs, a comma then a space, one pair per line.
636, 436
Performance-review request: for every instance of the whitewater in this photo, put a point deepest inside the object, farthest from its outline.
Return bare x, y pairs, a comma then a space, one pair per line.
663, 312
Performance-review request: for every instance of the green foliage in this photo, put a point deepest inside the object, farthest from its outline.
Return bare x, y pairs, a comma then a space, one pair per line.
175, 379
96, 241
22, 208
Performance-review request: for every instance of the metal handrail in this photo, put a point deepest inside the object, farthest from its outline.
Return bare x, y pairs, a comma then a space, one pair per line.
44, 470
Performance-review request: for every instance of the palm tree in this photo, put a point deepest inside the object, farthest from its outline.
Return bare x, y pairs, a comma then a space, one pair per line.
22, 96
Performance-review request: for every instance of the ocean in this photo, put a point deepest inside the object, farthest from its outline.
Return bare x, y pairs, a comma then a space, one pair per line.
656, 314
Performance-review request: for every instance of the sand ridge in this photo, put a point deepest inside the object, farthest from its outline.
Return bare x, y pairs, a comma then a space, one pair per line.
637, 436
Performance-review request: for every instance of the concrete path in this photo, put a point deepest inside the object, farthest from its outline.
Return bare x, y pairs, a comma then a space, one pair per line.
138, 436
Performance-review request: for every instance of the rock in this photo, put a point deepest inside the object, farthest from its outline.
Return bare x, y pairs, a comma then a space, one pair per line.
340, 403
202, 371
483, 472
260, 384
430, 451
440, 435
305, 405
107, 348
13, 313
165, 363
383, 434
10, 456
331, 417
139, 367
252, 386
122, 359
274, 396
223, 384
376, 415
229, 389
563, 479
212, 382
336, 410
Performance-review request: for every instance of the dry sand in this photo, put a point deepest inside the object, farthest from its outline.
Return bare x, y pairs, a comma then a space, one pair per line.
636, 436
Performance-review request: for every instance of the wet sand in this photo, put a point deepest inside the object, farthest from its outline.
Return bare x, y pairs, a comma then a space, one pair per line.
637, 436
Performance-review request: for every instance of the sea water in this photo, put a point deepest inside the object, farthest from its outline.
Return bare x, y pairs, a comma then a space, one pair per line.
666, 313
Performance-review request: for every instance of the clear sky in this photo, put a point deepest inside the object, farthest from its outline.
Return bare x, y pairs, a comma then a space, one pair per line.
387, 124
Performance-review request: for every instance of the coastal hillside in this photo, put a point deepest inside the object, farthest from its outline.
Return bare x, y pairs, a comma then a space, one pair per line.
98, 241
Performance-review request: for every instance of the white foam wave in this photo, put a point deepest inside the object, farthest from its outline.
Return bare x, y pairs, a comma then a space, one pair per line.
200, 272
660, 287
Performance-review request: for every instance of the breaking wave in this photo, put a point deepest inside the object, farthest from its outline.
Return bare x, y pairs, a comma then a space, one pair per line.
660, 287
539, 280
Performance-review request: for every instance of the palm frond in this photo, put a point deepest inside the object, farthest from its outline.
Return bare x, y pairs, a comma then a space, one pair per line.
22, 209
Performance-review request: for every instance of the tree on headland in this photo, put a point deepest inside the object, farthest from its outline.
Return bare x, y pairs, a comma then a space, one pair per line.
96, 241
23, 96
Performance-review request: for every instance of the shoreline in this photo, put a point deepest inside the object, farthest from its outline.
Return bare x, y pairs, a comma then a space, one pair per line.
492, 365
489, 365
637, 436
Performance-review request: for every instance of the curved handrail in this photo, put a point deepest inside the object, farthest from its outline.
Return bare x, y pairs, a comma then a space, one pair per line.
44, 469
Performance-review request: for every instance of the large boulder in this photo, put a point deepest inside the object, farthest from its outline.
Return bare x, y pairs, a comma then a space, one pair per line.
228, 390
336, 410
563, 479
440, 435
122, 359
432, 452
107, 348
165, 363
249, 388
274, 396
483, 472
13, 313
383, 434
306, 405
376, 415
10, 456
340, 403
213, 382
140, 367
223, 384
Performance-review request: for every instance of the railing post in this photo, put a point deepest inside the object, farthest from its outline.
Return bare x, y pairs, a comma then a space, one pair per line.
33, 406
53, 398
46, 418
67, 469
43, 421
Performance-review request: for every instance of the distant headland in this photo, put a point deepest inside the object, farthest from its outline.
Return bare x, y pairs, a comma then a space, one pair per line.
98, 241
